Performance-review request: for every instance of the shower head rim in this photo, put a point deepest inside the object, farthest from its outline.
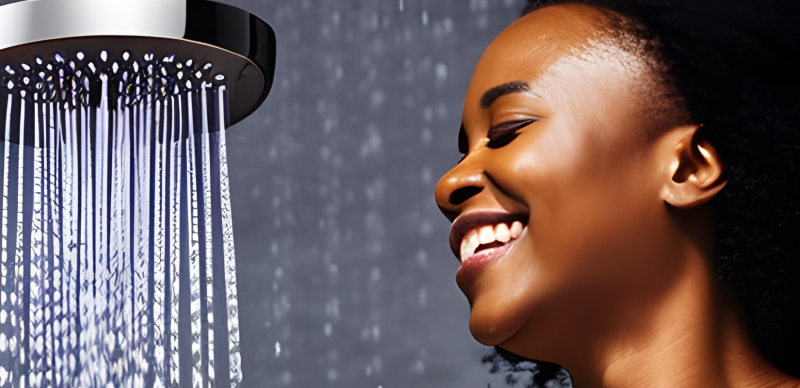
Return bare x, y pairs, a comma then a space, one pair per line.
224, 32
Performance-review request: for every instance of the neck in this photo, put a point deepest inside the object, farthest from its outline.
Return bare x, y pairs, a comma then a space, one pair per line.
692, 337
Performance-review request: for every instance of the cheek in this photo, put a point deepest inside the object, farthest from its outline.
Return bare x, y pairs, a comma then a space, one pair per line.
587, 198
554, 169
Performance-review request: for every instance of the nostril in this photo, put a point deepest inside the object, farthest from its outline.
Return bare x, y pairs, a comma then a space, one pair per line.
461, 195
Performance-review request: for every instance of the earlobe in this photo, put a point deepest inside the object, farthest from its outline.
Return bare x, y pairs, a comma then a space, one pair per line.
695, 172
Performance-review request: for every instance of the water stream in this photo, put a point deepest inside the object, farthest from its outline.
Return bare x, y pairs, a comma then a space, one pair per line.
118, 265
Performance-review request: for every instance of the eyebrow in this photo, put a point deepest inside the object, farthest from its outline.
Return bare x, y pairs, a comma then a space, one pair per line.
498, 91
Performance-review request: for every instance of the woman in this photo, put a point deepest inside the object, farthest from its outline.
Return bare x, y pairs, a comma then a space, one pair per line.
627, 203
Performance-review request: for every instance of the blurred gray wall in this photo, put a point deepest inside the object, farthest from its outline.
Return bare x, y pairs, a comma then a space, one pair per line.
342, 254
345, 275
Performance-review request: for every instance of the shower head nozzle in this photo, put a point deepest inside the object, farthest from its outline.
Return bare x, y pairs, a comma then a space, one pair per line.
201, 34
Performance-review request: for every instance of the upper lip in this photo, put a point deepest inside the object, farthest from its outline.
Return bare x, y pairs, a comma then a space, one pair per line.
473, 219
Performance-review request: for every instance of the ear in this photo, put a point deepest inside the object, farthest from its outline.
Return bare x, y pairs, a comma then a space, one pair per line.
695, 169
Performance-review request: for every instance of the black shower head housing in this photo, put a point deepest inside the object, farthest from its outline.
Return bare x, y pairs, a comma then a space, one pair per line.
64, 50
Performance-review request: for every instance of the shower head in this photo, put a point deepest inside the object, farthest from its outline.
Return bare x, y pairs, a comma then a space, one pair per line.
115, 197
239, 45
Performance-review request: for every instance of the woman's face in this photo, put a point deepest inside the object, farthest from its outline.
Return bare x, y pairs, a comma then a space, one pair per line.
555, 122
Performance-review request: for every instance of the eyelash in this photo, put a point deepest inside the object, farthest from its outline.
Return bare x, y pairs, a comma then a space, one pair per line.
508, 131
502, 134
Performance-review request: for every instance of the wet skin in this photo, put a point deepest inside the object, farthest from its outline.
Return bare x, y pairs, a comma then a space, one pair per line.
613, 275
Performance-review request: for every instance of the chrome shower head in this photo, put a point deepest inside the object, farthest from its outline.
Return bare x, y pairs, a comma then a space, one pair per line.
240, 45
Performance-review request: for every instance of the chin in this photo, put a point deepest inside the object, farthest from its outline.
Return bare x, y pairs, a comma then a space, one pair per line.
492, 326
532, 325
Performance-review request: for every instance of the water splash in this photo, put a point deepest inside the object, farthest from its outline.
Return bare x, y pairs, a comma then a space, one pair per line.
118, 264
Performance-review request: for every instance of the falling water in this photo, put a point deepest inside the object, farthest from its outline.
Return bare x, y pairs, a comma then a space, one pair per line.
117, 244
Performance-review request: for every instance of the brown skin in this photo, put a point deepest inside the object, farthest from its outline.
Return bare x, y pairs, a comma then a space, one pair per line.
615, 276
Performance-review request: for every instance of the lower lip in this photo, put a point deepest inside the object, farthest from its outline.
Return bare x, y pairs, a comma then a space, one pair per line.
479, 260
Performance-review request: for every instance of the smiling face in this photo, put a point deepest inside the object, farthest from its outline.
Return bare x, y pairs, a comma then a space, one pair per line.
558, 203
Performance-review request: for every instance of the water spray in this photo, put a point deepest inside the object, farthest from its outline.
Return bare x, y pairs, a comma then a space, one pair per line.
118, 265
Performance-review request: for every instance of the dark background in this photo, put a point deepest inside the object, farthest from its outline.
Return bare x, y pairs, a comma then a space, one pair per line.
342, 255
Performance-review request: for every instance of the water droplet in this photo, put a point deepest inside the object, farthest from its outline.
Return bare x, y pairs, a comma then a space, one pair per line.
332, 374
441, 71
104, 55
80, 55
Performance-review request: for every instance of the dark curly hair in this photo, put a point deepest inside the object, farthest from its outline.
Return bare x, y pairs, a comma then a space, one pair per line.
734, 65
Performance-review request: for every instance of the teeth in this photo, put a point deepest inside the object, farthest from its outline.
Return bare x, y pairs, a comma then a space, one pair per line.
469, 244
502, 233
473, 243
488, 234
464, 251
516, 229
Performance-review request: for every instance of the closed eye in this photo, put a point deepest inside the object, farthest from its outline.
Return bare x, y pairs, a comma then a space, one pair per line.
502, 134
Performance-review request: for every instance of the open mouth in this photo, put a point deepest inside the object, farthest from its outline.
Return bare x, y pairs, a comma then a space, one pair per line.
488, 237
477, 233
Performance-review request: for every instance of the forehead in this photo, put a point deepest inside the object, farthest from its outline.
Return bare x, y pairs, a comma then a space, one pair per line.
527, 48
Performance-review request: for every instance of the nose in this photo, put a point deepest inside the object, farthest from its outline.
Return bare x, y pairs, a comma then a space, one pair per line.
456, 187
